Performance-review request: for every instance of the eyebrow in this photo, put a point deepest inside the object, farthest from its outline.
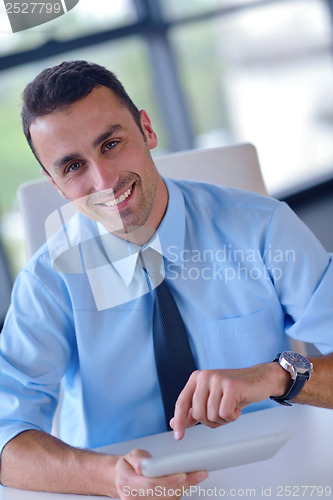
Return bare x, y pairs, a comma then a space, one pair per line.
105, 135
61, 162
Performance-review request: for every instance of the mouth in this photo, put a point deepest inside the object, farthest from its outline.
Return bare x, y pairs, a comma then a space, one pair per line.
120, 199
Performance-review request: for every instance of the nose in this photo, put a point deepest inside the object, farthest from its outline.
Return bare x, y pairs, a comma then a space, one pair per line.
103, 175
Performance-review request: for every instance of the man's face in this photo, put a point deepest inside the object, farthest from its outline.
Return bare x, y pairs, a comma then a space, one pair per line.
97, 157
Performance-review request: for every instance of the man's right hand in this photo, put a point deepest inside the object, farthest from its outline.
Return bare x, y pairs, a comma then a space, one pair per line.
130, 484
34, 460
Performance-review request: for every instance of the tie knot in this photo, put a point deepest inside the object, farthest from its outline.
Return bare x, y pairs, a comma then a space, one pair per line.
152, 262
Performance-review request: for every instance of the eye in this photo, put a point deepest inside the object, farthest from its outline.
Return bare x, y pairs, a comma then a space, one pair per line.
73, 166
110, 145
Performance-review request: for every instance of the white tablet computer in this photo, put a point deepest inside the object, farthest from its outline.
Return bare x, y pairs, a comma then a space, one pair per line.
216, 457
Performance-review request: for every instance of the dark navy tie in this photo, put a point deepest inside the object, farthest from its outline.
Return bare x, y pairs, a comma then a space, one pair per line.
173, 355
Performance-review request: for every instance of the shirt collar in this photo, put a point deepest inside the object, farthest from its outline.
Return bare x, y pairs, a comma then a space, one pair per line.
171, 231
122, 254
168, 239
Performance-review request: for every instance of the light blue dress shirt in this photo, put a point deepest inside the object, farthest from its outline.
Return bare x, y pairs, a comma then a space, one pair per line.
244, 270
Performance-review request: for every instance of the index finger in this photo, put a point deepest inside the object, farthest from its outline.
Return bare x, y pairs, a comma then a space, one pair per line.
182, 409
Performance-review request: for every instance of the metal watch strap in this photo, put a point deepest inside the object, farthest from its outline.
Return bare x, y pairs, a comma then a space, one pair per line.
295, 388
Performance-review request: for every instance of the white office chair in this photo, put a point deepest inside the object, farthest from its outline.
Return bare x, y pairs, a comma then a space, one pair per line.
235, 166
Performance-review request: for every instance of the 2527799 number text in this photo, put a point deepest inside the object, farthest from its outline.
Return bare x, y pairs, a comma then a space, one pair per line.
33, 8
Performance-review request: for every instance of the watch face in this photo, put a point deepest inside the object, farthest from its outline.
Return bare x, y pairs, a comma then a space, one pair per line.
300, 363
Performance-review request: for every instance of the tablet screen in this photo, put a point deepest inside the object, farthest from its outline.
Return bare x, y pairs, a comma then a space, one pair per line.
217, 457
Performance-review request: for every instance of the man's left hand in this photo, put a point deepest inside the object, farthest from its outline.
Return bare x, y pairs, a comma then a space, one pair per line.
216, 397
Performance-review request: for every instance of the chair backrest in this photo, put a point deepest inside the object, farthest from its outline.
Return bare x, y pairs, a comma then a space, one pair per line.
234, 166
6, 284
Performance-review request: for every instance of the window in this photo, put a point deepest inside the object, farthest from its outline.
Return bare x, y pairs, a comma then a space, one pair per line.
86, 17
176, 9
264, 75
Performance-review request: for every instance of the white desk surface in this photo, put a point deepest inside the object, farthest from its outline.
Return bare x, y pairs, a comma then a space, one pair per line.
301, 469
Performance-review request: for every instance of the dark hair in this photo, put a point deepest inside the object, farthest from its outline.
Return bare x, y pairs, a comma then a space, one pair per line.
58, 87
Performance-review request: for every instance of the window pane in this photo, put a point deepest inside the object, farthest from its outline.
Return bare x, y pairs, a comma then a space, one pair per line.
202, 73
85, 18
177, 9
264, 76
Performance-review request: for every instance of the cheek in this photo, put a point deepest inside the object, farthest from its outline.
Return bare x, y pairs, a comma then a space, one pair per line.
137, 156
73, 190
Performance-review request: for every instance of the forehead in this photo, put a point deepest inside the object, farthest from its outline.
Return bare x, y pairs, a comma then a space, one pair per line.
86, 117
100, 101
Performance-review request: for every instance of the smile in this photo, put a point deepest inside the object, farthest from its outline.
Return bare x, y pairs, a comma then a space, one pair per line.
121, 198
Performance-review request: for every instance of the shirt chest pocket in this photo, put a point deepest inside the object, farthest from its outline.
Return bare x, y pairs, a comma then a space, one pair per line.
242, 341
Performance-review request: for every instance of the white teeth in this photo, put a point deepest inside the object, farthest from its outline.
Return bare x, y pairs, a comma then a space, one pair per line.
121, 198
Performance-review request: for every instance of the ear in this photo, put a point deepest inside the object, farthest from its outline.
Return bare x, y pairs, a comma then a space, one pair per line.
148, 129
47, 175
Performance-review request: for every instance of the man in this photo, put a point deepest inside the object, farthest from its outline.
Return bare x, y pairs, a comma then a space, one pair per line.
82, 310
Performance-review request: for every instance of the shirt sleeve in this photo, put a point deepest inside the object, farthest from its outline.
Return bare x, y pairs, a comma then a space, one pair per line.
35, 349
302, 273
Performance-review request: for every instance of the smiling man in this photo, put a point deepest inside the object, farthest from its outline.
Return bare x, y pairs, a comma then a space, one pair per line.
94, 146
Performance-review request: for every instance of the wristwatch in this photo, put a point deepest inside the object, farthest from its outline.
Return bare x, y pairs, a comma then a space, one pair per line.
300, 370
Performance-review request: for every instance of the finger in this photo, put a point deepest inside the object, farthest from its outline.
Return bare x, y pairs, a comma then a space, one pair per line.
182, 408
135, 457
191, 481
190, 422
213, 404
214, 418
199, 400
194, 478
228, 410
